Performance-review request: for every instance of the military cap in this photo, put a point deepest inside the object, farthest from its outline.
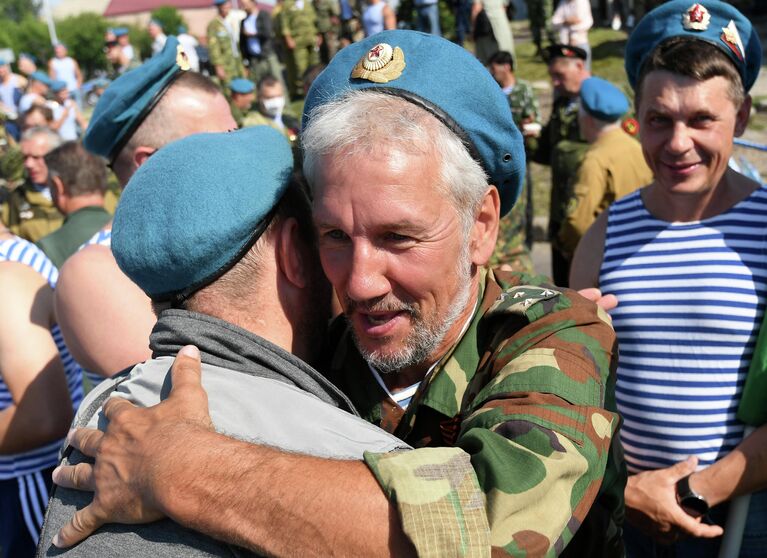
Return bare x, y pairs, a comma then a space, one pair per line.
3, 61
192, 210
42, 77
242, 86
564, 51
58, 85
120, 31
28, 56
219, 2
602, 100
130, 98
712, 21
442, 78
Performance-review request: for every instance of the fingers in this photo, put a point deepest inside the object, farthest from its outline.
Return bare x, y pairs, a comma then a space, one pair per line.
186, 371
116, 406
683, 468
86, 440
591, 293
78, 476
81, 526
608, 302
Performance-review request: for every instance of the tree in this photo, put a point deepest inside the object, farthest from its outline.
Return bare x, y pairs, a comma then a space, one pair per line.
84, 36
16, 10
169, 18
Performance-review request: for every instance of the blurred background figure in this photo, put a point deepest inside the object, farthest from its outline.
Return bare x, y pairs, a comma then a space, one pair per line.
492, 31
427, 16
40, 116
223, 49
242, 95
539, 12
572, 20
257, 44
189, 44
328, 26
271, 109
157, 35
36, 92
63, 67
122, 37
27, 64
77, 181
377, 16
300, 41
67, 119
11, 87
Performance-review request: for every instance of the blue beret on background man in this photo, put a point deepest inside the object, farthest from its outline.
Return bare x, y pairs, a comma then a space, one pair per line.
130, 98
414, 66
242, 86
215, 202
603, 100
58, 85
42, 77
712, 21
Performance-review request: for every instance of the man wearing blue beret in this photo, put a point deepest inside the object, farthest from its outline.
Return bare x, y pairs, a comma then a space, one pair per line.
157, 103
685, 257
201, 272
613, 165
500, 382
242, 94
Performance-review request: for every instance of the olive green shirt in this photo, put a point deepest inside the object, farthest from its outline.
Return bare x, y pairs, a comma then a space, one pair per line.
78, 227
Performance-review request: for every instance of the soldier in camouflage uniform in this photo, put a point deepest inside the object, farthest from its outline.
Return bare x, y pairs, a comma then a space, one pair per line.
561, 146
328, 26
502, 384
298, 31
11, 163
28, 210
223, 50
513, 249
539, 12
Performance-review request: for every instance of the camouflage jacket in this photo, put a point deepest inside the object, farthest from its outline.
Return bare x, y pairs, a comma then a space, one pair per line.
30, 214
515, 430
511, 248
328, 13
221, 51
299, 23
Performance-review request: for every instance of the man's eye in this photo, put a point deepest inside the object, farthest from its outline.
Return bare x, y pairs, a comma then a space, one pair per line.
336, 234
395, 237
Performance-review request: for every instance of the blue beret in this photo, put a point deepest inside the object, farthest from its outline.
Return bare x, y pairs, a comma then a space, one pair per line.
192, 210
444, 79
120, 31
602, 100
42, 77
58, 85
28, 56
130, 98
219, 2
711, 21
3, 62
181, 29
241, 85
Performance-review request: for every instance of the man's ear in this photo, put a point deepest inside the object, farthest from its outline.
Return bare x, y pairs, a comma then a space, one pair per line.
742, 116
58, 192
290, 253
141, 154
484, 232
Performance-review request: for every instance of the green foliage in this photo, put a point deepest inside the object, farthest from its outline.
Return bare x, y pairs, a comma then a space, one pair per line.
31, 35
84, 36
16, 10
140, 39
170, 19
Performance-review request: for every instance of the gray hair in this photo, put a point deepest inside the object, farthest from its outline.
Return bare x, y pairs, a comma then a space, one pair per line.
54, 140
359, 121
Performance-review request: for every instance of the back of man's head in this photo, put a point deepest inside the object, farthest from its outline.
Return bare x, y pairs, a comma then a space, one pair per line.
80, 172
502, 58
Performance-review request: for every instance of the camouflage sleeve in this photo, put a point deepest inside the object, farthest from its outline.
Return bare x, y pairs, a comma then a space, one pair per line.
215, 47
584, 206
533, 447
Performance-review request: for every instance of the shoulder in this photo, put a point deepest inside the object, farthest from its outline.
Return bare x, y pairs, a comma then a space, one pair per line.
587, 260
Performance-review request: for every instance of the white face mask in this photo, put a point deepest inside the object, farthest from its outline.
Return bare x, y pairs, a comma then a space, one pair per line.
274, 106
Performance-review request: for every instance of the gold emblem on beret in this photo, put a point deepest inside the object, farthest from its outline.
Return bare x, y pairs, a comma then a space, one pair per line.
731, 38
182, 60
696, 18
381, 64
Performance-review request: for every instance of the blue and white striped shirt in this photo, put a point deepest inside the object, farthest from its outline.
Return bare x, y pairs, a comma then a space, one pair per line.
691, 300
101, 238
15, 465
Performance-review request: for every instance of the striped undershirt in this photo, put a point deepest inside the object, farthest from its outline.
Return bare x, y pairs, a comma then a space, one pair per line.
16, 465
691, 299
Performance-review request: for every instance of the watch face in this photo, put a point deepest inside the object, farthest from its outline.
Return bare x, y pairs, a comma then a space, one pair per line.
695, 506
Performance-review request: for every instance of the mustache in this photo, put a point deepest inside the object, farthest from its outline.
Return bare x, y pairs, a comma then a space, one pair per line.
388, 303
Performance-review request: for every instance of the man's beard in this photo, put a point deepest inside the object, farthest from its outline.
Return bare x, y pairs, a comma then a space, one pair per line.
425, 333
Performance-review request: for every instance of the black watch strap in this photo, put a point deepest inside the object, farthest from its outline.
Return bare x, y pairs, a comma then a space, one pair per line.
690, 501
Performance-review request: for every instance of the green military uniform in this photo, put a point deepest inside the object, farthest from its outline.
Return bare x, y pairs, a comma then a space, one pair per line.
612, 168
328, 25
289, 129
561, 146
30, 213
78, 227
298, 20
223, 52
512, 248
515, 429
11, 162
237, 114
539, 12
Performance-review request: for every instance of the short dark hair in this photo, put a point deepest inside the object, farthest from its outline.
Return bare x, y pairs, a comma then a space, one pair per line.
45, 111
268, 80
80, 171
694, 59
502, 57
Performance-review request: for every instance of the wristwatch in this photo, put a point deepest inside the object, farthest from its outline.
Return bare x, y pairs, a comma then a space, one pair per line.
690, 501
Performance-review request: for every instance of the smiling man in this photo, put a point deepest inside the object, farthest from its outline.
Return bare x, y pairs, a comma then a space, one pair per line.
502, 387
685, 257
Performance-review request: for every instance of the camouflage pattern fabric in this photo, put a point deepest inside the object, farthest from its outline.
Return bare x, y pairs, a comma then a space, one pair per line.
613, 167
221, 52
30, 214
11, 161
539, 12
515, 429
329, 26
511, 249
298, 20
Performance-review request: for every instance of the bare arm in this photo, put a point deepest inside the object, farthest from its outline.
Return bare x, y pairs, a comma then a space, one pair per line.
587, 261
105, 318
30, 366
78, 74
260, 498
390, 20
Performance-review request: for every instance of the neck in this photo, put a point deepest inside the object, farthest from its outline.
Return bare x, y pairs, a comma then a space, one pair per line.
674, 207
601, 132
510, 81
78, 202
